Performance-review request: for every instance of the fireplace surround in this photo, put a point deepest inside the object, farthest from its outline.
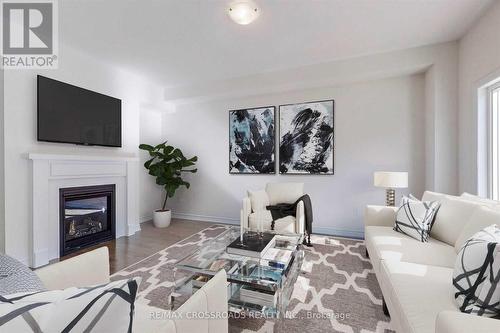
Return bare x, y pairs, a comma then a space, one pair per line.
51, 172
87, 216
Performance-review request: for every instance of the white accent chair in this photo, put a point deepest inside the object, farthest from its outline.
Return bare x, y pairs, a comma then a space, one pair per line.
93, 268
254, 211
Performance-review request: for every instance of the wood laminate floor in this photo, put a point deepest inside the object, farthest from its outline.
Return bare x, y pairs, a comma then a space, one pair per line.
126, 251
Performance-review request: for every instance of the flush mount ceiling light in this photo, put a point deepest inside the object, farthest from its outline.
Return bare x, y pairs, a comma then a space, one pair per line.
243, 11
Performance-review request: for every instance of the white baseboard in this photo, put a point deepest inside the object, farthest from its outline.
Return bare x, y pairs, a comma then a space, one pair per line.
206, 218
133, 228
147, 218
38, 259
25, 261
359, 234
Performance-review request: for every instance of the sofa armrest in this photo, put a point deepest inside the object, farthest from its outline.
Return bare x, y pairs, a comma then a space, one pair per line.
210, 300
459, 322
246, 210
300, 218
380, 216
84, 270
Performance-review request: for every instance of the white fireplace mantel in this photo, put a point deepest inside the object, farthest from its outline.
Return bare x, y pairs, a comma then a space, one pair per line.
52, 172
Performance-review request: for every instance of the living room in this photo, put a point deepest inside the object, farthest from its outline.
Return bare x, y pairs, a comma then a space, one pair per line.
169, 151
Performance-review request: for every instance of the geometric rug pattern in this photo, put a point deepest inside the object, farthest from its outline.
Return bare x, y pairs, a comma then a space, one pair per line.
336, 290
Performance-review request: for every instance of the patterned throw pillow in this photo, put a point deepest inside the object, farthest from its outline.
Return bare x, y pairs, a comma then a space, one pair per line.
414, 218
102, 308
17, 278
476, 277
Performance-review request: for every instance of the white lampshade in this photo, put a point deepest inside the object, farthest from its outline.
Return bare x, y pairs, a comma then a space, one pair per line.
390, 179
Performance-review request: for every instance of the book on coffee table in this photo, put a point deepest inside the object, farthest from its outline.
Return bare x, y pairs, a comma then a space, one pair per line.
277, 258
253, 245
255, 296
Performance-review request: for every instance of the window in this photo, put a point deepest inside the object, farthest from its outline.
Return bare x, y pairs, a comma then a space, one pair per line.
494, 141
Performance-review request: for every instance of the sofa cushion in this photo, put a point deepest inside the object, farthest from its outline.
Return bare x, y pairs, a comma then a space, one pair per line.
477, 273
418, 293
383, 243
17, 278
284, 192
478, 199
451, 218
284, 225
259, 200
435, 196
148, 319
102, 308
458, 322
414, 218
481, 218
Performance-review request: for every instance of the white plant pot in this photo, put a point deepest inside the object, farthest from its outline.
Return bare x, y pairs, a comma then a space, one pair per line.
161, 219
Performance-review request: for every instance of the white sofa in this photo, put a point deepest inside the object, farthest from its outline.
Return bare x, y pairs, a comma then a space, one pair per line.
93, 268
251, 216
416, 277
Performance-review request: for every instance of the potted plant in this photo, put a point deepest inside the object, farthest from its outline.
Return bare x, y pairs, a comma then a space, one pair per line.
167, 165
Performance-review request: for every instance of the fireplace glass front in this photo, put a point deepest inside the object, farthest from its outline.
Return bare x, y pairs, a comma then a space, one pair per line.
87, 216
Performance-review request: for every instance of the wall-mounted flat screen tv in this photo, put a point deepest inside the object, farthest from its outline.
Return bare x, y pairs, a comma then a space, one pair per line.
69, 114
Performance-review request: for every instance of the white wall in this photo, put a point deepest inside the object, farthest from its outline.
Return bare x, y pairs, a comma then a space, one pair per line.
479, 61
20, 130
439, 62
379, 125
150, 133
442, 121
2, 159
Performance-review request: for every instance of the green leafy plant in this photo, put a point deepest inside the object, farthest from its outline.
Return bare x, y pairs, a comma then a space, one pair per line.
167, 165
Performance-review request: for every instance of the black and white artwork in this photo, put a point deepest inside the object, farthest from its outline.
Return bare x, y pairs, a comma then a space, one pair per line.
251, 141
306, 138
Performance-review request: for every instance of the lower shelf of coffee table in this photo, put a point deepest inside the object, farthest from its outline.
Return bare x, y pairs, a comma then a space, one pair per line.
235, 302
239, 304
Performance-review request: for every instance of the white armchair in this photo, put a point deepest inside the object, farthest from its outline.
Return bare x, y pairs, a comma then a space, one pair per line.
254, 212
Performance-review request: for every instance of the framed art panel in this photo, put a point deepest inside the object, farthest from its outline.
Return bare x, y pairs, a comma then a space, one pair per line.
252, 141
306, 138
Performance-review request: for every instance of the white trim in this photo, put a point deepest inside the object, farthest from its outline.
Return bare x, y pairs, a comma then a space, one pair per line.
132, 229
206, 218
63, 157
50, 175
146, 218
493, 141
359, 234
481, 110
24, 260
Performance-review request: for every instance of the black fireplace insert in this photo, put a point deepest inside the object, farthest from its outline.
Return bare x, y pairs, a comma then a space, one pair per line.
87, 216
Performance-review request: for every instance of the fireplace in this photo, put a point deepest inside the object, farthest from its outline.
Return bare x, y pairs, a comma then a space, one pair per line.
87, 216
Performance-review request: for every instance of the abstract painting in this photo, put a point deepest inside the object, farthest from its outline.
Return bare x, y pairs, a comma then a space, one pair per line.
306, 138
251, 141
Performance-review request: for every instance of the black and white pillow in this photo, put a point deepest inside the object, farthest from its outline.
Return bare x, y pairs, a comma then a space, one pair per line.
102, 308
476, 277
414, 218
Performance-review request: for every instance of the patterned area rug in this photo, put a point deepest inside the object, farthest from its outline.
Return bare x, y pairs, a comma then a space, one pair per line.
337, 290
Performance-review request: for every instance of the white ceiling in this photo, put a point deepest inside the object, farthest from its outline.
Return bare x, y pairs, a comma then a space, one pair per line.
181, 42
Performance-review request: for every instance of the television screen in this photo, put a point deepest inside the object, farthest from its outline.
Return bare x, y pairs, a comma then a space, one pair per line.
70, 114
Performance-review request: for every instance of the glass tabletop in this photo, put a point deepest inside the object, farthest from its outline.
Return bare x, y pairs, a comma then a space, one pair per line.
267, 272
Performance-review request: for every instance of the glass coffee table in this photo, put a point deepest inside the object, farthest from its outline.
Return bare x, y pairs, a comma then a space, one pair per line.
254, 284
